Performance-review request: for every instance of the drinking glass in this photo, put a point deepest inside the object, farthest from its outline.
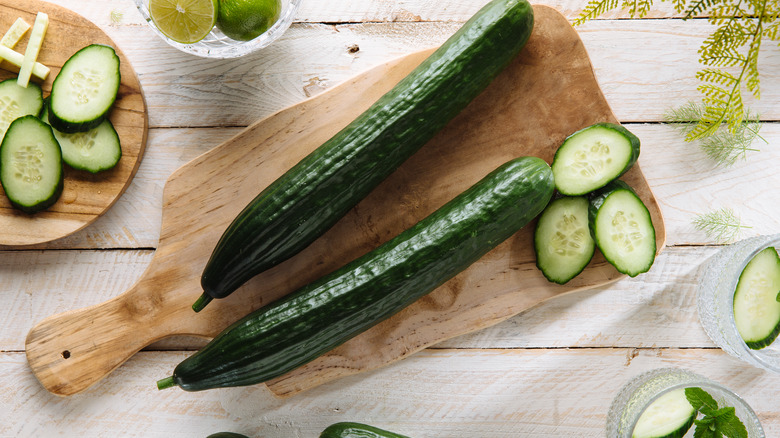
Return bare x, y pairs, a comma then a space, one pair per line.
715, 301
217, 45
641, 391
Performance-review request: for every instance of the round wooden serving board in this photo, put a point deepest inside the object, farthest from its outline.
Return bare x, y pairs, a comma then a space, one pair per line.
548, 92
85, 196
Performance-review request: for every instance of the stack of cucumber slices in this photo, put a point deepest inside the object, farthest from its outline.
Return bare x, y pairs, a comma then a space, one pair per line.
71, 126
756, 306
594, 208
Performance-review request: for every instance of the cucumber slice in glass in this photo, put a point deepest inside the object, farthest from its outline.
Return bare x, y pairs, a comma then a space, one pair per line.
31, 165
562, 239
622, 228
669, 416
756, 309
85, 89
592, 157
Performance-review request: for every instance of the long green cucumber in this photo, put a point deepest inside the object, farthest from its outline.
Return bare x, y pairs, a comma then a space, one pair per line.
318, 191
327, 312
357, 430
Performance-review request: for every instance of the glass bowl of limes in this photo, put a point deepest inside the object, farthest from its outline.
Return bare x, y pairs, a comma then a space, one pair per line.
218, 28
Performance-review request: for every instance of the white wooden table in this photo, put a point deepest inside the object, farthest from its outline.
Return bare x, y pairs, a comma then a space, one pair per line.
550, 371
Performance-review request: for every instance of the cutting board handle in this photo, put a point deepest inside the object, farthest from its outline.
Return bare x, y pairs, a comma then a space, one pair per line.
71, 351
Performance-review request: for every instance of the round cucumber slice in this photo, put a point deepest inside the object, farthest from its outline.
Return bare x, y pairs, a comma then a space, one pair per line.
562, 239
669, 416
31, 165
756, 309
622, 228
592, 157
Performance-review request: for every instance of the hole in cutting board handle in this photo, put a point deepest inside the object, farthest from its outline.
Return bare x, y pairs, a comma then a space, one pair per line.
65, 354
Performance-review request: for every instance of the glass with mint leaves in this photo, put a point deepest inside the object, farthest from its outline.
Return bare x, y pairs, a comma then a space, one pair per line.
739, 300
676, 403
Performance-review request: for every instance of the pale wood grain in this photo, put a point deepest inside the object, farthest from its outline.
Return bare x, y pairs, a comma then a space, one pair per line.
680, 174
85, 196
436, 393
68, 354
656, 309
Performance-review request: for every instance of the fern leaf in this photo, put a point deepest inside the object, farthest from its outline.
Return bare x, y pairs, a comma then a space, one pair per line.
594, 8
722, 225
699, 6
724, 146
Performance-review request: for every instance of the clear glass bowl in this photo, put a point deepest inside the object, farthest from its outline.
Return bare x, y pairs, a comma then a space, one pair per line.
715, 301
217, 45
641, 391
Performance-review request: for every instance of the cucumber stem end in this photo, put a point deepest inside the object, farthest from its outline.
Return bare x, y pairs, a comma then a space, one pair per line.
201, 302
165, 383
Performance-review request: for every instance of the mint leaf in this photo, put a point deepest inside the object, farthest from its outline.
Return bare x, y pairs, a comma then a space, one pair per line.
706, 432
730, 425
699, 398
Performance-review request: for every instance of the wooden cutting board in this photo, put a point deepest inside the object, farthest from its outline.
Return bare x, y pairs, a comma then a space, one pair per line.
548, 92
85, 196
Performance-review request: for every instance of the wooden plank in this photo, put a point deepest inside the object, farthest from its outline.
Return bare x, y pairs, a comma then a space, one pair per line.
656, 309
124, 13
439, 393
685, 181
182, 89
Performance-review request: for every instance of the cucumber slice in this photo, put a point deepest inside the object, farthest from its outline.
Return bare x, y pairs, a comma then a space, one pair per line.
756, 309
562, 239
95, 150
40, 26
622, 228
31, 165
669, 416
17, 101
85, 89
592, 157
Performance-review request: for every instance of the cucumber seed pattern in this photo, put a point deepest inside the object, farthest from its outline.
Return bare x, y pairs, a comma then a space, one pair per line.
28, 164
570, 236
9, 111
626, 232
85, 85
83, 142
591, 161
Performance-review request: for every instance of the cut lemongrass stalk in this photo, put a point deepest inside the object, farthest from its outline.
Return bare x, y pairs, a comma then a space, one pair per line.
33, 48
15, 33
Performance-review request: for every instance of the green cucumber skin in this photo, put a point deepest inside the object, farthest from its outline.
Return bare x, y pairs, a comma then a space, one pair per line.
633, 140
226, 435
357, 430
327, 312
312, 196
597, 199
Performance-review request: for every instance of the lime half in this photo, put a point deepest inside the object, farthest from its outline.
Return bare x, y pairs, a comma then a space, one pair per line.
184, 21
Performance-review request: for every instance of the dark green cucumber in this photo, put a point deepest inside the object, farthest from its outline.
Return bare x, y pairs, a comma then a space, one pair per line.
329, 311
357, 430
313, 195
622, 228
226, 435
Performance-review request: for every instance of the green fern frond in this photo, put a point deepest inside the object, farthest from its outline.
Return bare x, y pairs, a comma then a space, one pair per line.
724, 146
722, 225
594, 8
699, 6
